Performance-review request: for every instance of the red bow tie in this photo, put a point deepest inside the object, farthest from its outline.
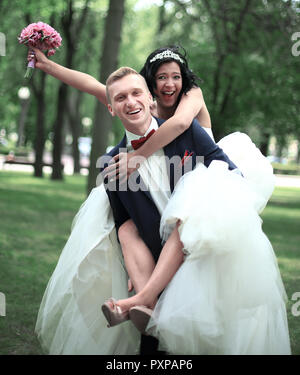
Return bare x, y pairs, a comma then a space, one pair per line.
137, 143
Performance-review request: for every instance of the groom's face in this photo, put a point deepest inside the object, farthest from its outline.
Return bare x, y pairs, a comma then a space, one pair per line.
130, 101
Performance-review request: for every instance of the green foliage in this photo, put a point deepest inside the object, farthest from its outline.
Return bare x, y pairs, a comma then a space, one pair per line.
241, 50
13, 65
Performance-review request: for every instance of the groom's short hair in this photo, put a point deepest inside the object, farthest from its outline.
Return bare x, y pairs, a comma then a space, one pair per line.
119, 74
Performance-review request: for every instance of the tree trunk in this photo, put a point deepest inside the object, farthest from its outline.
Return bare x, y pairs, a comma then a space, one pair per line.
57, 172
264, 145
39, 142
74, 124
226, 32
102, 120
279, 149
72, 34
39, 93
298, 154
22, 122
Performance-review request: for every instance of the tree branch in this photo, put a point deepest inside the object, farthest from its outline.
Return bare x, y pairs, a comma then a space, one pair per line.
79, 25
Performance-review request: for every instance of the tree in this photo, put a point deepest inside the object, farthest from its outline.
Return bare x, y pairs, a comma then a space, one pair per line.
109, 60
72, 30
40, 97
73, 118
39, 142
242, 50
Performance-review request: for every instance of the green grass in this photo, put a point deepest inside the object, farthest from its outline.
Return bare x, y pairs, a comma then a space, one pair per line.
36, 216
282, 225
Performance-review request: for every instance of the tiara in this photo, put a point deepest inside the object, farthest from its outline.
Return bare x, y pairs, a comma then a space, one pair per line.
165, 55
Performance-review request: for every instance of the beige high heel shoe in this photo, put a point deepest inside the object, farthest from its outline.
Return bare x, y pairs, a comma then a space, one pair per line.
140, 316
114, 315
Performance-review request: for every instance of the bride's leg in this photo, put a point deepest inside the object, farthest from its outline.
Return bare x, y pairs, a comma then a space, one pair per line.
169, 261
138, 259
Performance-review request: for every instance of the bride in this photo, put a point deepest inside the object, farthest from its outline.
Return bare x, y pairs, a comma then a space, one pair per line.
226, 298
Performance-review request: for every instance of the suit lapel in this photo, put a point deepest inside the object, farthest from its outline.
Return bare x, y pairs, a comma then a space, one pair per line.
123, 143
135, 176
170, 151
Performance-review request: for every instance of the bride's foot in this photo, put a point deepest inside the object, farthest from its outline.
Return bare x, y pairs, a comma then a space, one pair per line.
113, 313
140, 316
140, 308
136, 300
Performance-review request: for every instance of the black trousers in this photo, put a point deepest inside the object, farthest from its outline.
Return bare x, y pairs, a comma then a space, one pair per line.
149, 346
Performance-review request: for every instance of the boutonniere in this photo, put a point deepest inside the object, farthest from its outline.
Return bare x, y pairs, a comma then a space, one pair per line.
186, 156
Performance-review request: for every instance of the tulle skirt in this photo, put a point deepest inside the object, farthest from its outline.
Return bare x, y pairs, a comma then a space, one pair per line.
228, 296
89, 271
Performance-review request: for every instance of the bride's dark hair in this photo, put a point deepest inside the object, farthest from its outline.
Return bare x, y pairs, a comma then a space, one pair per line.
161, 56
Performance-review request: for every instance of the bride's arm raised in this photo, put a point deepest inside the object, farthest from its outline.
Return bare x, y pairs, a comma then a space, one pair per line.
81, 81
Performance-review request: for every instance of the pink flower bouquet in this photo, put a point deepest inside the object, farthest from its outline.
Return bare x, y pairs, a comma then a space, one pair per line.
41, 36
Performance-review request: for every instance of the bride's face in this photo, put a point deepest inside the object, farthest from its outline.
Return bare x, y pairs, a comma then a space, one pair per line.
168, 84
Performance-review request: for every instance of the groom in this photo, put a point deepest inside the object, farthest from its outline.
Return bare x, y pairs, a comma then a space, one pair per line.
143, 198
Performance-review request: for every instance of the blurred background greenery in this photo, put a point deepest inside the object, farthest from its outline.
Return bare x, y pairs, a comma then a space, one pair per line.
245, 52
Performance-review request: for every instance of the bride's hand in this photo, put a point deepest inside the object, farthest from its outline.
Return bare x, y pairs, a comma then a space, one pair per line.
130, 286
153, 109
122, 166
41, 61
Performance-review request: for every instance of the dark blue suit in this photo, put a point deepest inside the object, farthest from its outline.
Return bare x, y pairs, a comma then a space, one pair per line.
139, 206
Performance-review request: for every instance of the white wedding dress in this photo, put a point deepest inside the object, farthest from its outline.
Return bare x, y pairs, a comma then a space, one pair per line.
89, 271
226, 298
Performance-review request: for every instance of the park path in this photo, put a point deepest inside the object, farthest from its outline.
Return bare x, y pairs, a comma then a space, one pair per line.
280, 179
286, 180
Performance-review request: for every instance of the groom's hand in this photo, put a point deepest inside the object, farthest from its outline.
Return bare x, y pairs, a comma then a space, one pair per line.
122, 166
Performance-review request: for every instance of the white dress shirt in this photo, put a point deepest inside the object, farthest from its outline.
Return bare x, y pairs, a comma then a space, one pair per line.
153, 171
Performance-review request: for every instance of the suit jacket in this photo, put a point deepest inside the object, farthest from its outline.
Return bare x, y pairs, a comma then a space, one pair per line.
138, 205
